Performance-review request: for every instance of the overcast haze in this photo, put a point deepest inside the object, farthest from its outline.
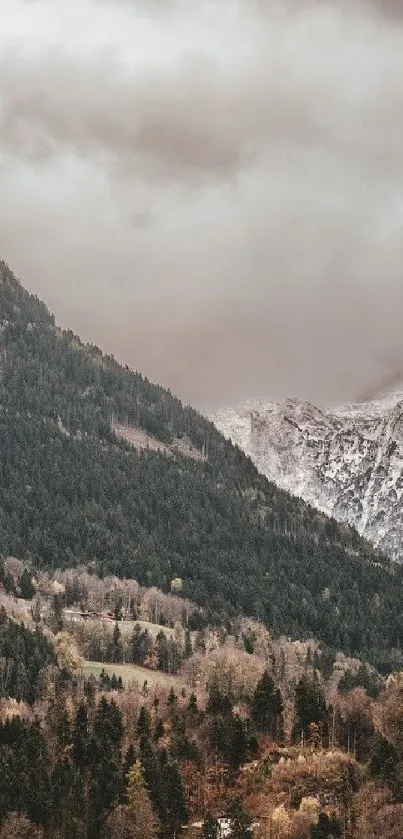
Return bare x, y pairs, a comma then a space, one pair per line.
211, 191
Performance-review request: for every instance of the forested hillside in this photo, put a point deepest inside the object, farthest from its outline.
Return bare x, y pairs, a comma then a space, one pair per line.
72, 492
280, 738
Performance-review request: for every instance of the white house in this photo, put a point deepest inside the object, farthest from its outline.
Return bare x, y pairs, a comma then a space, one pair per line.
224, 824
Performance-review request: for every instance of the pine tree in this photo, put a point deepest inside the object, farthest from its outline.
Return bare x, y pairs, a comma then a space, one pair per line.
326, 828
175, 811
238, 744
81, 736
218, 703
117, 609
63, 728
192, 711
267, 708
211, 828
116, 647
27, 589
240, 821
159, 729
172, 701
144, 723
129, 761
188, 644
108, 725
136, 819
161, 648
310, 707
140, 643
55, 618
36, 611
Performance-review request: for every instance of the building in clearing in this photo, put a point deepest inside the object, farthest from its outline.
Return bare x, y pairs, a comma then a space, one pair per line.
224, 824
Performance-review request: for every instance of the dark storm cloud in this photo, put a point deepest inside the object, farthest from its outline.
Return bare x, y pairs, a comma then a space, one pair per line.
214, 192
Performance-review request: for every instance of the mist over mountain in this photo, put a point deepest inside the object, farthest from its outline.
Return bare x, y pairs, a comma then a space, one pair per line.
220, 179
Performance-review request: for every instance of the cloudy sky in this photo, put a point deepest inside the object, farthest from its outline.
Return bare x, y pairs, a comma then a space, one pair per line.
212, 191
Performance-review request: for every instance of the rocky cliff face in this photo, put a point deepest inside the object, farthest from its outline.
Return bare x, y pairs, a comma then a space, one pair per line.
347, 462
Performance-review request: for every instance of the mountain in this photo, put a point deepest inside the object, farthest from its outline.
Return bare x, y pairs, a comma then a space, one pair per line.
347, 462
100, 467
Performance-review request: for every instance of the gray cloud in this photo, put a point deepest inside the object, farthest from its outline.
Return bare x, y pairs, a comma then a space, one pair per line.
212, 192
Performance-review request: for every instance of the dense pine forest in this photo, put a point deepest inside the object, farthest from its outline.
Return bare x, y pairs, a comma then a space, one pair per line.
73, 492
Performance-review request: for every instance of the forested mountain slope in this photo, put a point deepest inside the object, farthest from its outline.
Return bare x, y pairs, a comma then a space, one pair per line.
72, 491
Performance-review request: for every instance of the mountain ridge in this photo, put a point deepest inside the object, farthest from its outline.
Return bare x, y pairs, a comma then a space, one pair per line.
73, 493
345, 461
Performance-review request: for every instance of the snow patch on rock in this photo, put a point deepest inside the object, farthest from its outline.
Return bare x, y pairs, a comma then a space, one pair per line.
346, 461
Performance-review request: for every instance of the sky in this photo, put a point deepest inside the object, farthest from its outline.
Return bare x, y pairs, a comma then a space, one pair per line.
212, 191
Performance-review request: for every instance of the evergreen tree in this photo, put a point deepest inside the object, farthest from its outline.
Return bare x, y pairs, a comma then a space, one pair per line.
240, 821
159, 729
384, 762
129, 761
118, 609
172, 701
310, 708
108, 726
238, 747
192, 711
144, 724
211, 828
116, 647
218, 703
188, 651
136, 819
36, 611
328, 827
140, 644
55, 617
25, 655
63, 728
162, 652
68, 798
175, 811
27, 589
81, 736
267, 708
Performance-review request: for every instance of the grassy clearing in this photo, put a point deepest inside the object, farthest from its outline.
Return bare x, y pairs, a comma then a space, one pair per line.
126, 628
132, 674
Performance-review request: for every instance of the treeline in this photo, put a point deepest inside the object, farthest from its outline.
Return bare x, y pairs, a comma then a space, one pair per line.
71, 493
20, 587
70, 776
24, 659
98, 642
122, 597
97, 767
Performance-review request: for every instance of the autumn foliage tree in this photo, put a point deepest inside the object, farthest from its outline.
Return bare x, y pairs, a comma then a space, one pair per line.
378, 815
135, 819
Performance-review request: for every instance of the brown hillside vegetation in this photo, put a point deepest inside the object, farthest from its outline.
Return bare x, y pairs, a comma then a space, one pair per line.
306, 741
300, 785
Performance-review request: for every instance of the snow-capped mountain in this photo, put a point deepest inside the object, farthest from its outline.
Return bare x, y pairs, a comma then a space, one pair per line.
347, 461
